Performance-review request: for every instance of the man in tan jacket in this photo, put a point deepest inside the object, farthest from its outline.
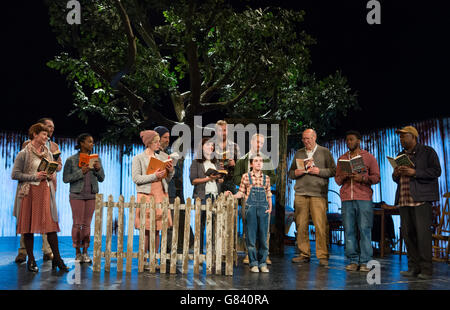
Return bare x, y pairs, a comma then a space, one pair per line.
54, 148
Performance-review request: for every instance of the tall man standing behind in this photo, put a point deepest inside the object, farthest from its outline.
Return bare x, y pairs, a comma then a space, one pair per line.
54, 148
357, 207
227, 153
417, 188
311, 196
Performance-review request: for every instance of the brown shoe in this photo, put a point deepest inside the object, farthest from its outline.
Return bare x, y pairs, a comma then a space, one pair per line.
246, 260
47, 256
301, 259
20, 258
323, 262
268, 261
352, 267
363, 268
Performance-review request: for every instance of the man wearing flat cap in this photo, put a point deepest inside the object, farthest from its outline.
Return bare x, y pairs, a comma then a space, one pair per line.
417, 188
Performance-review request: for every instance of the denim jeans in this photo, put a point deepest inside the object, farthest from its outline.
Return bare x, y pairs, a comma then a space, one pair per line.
256, 226
358, 214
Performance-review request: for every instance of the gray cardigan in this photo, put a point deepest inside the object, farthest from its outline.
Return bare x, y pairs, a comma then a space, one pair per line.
73, 174
19, 175
314, 185
139, 174
197, 171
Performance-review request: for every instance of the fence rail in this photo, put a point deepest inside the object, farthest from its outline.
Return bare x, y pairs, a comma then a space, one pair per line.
221, 222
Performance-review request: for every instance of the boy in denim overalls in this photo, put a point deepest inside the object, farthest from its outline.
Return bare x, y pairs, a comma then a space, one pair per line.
255, 187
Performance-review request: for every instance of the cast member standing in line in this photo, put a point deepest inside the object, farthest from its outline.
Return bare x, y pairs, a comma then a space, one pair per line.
175, 184
83, 187
154, 185
417, 187
205, 186
357, 207
243, 166
35, 205
311, 196
227, 152
255, 187
54, 149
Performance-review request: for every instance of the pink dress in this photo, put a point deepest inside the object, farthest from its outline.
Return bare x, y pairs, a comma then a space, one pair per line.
157, 191
35, 215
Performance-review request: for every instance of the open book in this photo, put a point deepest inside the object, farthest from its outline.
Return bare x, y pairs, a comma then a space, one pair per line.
401, 160
86, 159
212, 171
354, 165
304, 164
156, 164
47, 166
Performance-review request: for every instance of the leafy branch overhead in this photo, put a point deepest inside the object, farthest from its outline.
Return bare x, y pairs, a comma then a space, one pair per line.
140, 63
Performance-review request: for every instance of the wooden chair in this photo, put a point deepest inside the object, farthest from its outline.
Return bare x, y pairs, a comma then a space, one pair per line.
441, 240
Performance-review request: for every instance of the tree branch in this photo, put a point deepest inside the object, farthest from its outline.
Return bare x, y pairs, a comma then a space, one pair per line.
207, 107
132, 51
192, 57
207, 93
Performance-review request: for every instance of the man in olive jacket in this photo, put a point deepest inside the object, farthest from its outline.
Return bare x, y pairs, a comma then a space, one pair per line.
417, 187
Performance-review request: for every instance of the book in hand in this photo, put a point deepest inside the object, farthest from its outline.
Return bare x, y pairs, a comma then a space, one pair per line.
86, 159
354, 165
47, 166
56, 155
156, 164
212, 171
401, 160
304, 164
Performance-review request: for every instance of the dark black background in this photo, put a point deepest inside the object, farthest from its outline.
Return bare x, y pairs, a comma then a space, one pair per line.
399, 68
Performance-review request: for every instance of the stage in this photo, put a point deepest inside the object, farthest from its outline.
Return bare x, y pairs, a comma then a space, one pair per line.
283, 275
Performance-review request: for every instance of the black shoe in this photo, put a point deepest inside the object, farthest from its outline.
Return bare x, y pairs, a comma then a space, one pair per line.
60, 264
31, 266
409, 273
301, 259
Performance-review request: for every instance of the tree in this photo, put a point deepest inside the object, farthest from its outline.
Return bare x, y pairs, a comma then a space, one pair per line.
141, 63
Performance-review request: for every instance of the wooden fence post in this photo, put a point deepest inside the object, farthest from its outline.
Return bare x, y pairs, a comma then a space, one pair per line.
209, 236
142, 214
176, 221
197, 238
152, 232
229, 237
120, 253
131, 215
98, 232
218, 245
165, 223
109, 233
187, 226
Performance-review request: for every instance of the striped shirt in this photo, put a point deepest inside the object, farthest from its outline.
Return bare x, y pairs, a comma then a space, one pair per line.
257, 180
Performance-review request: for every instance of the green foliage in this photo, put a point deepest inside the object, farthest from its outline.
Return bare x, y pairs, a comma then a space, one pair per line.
250, 62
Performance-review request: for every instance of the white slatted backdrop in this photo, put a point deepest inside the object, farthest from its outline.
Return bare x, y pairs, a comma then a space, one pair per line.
384, 142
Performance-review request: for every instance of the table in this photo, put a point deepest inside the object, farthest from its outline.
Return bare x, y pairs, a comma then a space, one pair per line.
382, 212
